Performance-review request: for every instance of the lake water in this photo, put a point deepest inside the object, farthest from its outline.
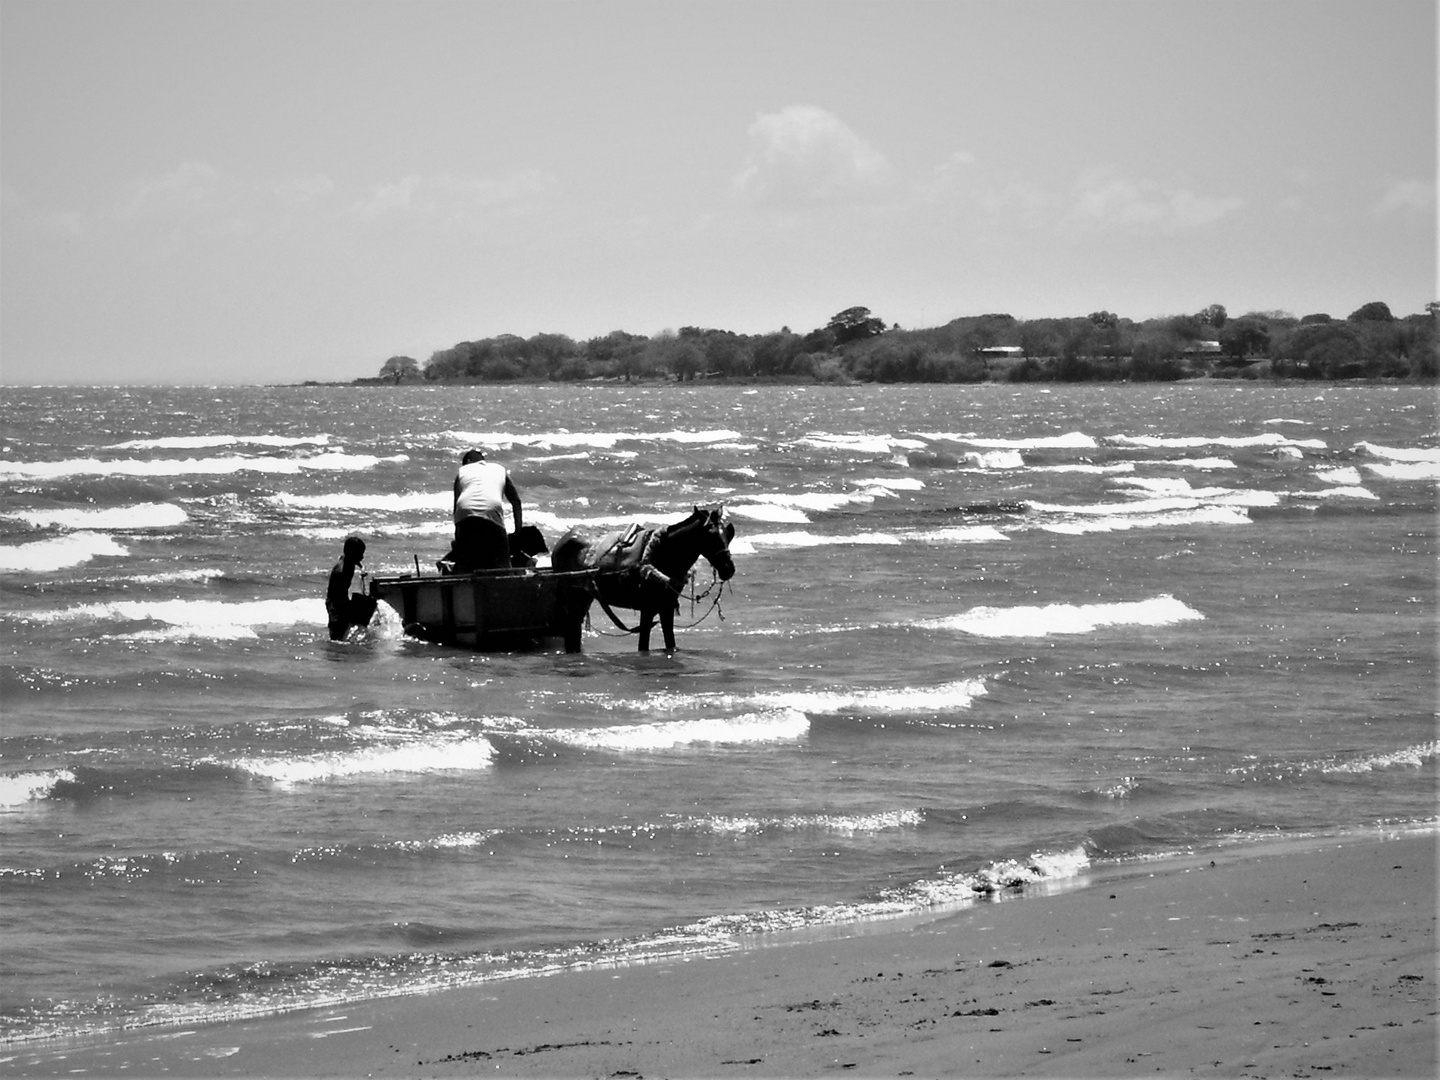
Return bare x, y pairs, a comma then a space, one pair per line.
979, 637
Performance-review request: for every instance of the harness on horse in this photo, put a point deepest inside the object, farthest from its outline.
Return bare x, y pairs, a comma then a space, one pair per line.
641, 574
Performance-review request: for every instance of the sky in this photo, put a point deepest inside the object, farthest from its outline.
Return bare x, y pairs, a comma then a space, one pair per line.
222, 192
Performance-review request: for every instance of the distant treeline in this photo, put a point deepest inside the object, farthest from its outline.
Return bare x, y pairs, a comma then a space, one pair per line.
856, 346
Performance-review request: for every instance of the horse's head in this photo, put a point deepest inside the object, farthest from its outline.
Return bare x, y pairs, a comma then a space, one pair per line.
716, 532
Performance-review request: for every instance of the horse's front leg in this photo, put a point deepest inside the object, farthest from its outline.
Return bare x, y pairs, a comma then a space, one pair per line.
647, 620
667, 627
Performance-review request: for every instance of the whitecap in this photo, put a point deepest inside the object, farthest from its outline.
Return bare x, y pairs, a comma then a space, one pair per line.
420, 756
1412, 756
17, 789
839, 824
598, 440
1199, 515
1074, 440
1043, 621
762, 512
995, 459
776, 725
858, 443
1208, 463
402, 502
1395, 453
47, 556
205, 442
944, 697
1270, 438
215, 466
139, 516
1411, 470
813, 540
1118, 467
955, 534
213, 619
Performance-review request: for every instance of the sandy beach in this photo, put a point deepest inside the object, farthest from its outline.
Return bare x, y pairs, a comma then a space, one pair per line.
1291, 960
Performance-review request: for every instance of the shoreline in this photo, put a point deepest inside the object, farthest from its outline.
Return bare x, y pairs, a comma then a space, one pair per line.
1314, 955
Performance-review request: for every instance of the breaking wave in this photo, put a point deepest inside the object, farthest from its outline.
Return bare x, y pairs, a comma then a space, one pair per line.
1016, 622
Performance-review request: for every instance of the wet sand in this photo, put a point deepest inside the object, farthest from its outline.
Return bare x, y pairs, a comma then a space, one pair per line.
1286, 960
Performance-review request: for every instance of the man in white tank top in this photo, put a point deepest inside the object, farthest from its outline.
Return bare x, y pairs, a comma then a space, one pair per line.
481, 489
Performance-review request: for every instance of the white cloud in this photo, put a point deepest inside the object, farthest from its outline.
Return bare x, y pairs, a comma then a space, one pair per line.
305, 190
451, 198
183, 191
1102, 198
1405, 196
395, 197
804, 154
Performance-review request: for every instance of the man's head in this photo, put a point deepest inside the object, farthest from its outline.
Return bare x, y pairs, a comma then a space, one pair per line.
472, 456
354, 548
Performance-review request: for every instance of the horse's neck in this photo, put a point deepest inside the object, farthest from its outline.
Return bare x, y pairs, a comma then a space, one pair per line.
665, 554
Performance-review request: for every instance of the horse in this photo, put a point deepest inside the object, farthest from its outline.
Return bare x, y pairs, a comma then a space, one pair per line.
646, 569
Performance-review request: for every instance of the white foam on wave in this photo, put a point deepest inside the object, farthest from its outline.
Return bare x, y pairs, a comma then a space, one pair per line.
795, 507
17, 789
1410, 756
1050, 619
214, 466
424, 755
1405, 757
598, 440
1165, 519
888, 485
1118, 467
995, 459
1171, 487
791, 540
170, 576
138, 516
204, 619
1270, 438
206, 442
1074, 440
1042, 869
778, 515
838, 824
1344, 475
889, 700
57, 553
955, 534
1409, 470
858, 443
1171, 501
771, 726
815, 501
428, 502
1344, 492
1204, 463
944, 697
1400, 453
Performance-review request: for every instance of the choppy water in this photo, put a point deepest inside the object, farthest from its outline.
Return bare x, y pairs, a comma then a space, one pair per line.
977, 635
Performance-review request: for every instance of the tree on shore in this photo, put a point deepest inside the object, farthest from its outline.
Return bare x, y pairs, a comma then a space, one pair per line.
853, 324
400, 369
854, 345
